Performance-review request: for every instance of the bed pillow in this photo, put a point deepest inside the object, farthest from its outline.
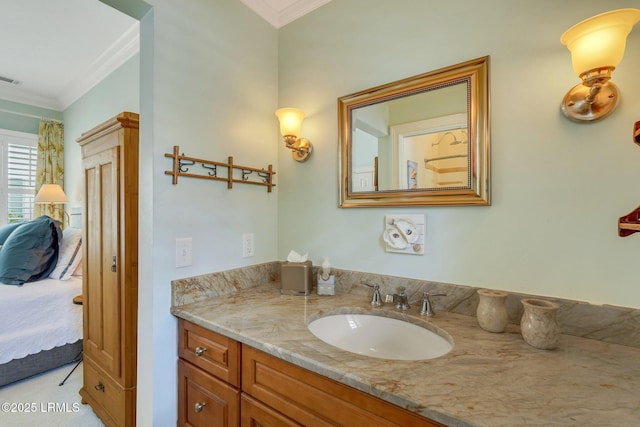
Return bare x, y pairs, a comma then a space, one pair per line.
69, 255
6, 230
30, 253
78, 271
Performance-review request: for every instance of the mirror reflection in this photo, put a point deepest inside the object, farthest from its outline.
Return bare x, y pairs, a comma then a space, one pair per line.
419, 141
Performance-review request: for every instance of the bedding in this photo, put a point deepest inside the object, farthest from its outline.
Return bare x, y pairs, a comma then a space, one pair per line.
69, 256
6, 230
30, 252
45, 360
39, 316
40, 327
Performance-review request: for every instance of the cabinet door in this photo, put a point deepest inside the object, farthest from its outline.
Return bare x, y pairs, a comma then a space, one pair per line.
101, 286
317, 401
204, 400
255, 414
209, 351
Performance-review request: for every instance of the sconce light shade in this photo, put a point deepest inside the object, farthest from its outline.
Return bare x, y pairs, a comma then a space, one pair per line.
290, 121
597, 46
51, 193
290, 125
600, 41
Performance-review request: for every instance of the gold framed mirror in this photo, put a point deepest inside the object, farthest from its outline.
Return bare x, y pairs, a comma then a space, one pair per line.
423, 140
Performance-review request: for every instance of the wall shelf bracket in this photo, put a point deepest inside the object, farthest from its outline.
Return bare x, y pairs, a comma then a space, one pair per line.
234, 173
630, 224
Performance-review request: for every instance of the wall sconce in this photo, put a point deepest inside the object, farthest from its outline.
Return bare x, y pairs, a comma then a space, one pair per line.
290, 124
597, 47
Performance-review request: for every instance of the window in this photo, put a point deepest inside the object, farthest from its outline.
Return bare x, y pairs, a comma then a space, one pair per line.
19, 155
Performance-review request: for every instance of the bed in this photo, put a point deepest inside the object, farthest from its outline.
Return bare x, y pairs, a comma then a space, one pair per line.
40, 326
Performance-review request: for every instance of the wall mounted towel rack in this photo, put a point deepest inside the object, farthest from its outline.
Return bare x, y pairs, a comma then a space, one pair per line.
630, 223
218, 171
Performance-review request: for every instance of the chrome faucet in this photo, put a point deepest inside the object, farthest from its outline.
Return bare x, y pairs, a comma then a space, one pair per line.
376, 298
400, 300
427, 310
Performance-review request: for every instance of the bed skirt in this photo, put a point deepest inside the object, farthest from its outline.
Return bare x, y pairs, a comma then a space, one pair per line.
33, 364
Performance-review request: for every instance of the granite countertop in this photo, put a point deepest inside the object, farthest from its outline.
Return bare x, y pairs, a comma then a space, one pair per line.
486, 380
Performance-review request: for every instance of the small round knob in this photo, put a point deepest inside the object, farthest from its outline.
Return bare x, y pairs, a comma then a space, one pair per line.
199, 351
199, 406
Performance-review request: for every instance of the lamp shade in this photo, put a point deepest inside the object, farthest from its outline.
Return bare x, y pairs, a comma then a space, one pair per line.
599, 41
290, 121
51, 193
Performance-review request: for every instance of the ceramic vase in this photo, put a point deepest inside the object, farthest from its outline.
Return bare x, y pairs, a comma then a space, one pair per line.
492, 310
539, 325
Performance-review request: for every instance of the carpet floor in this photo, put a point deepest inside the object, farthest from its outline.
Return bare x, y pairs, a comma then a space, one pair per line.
40, 401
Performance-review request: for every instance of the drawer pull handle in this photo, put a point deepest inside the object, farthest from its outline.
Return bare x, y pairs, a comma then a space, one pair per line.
200, 350
198, 406
99, 387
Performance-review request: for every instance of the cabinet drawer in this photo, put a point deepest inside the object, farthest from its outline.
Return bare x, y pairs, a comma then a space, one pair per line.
107, 398
255, 414
317, 401
204, 400
214, 353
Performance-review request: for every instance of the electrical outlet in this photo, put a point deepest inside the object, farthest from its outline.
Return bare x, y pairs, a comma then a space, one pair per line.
184, 252
248, 245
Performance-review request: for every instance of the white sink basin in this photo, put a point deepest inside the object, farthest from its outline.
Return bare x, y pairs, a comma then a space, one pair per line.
380, 337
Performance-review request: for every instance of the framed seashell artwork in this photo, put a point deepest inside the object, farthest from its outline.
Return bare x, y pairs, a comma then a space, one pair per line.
404, 233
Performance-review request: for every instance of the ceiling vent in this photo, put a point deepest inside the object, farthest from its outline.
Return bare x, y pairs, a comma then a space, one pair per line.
9, 80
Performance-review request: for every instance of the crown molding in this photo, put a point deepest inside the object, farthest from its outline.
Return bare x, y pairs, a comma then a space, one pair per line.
281, 17
14, 94
116, 55
298, 9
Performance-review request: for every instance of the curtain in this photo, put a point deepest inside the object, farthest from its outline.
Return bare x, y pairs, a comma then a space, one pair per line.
50, 166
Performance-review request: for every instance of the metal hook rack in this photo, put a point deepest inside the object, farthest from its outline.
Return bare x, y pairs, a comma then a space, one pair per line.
181, 163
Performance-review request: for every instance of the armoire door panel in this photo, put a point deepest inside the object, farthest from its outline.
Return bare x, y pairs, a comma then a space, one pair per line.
92, 298
104, 314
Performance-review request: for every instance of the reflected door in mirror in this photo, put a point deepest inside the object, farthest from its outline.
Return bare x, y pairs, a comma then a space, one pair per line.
423, 140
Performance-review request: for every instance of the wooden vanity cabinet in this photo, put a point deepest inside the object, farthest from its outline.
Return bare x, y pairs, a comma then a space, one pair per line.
231, 384
208, 378
256, 414
314, 400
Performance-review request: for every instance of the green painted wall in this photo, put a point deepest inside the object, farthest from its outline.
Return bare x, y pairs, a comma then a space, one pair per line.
210, 86
20, 123
118, 92
558, 188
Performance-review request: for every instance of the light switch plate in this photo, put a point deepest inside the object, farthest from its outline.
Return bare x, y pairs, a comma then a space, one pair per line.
403, 242
184, 252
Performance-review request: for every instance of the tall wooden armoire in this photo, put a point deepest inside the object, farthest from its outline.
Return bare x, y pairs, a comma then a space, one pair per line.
110, 268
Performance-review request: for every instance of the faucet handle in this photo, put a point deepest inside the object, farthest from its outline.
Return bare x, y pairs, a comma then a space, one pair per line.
426, 309
427, 294
376, 298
